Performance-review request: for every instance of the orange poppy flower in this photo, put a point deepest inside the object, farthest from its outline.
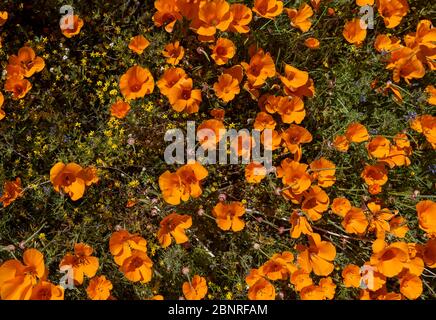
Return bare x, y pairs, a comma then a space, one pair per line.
362, 3
386, 43
378, 147
122, 243
260, 68
324, 172
262, 289
28, 61
137, 267
426, 210
19, 87
12, 190
218, 114
294, 78
228, 216
120, 109
173, 225
136, 83
312, 292
17, 279
212, 15
45, 290
209, 133
316, 202
82, 262
242, 144
169, 79
273, 142
328, 288
423, 42
189, 8
426, 124
353, 32
279, 267
255, 172
268, 8
411, 286
2, 100
99, 288
242, 17
77, 25
341, 206
191, 176
227, 87
3, 17
351, 276
174, 52
138, 44
294, 175
184, 98
356, 132
222, 51
301, 279
392, 11
157, 297
431, 94
167, 14
299, 225
264, 121
291, 109
341, 143
398, 227
196, 289
429, 253
355, 221
171, 187
294, 136
405, 64
311, 43
300, 18
66, 177
317, 257
375, 174
379, 219
391, 260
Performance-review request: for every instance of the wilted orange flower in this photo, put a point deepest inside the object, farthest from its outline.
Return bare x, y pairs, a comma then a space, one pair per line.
426, 124
431, 92
356, 132
426, 210
405, 64
82, 262
46, 290
138, 44
184, 97
355, 221
66, 177
301, 279
291, 109
196, 289
99, 288
27, 61
316, 202
299, 225
18, 279
341, 206
262, 289
242, 16
378, 147
311, 43
391, 260
294, 78
353, 32
209, 133
341, 143
317, 257
379, 219
137, 267
227, 87
411, 286
351, 276
260, 68
294, 175
76, 24
212, 15
279, 267
3, 17
222, 51
136, 83
228, 216
11, 191
268, 8
255, 172
375, 175
120, 109
294, 136
392, 11
386, 43
174, 52
300, 18
18, 86
264, 121
167, 14
173, 225
170, 78
324, 172
122, 243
